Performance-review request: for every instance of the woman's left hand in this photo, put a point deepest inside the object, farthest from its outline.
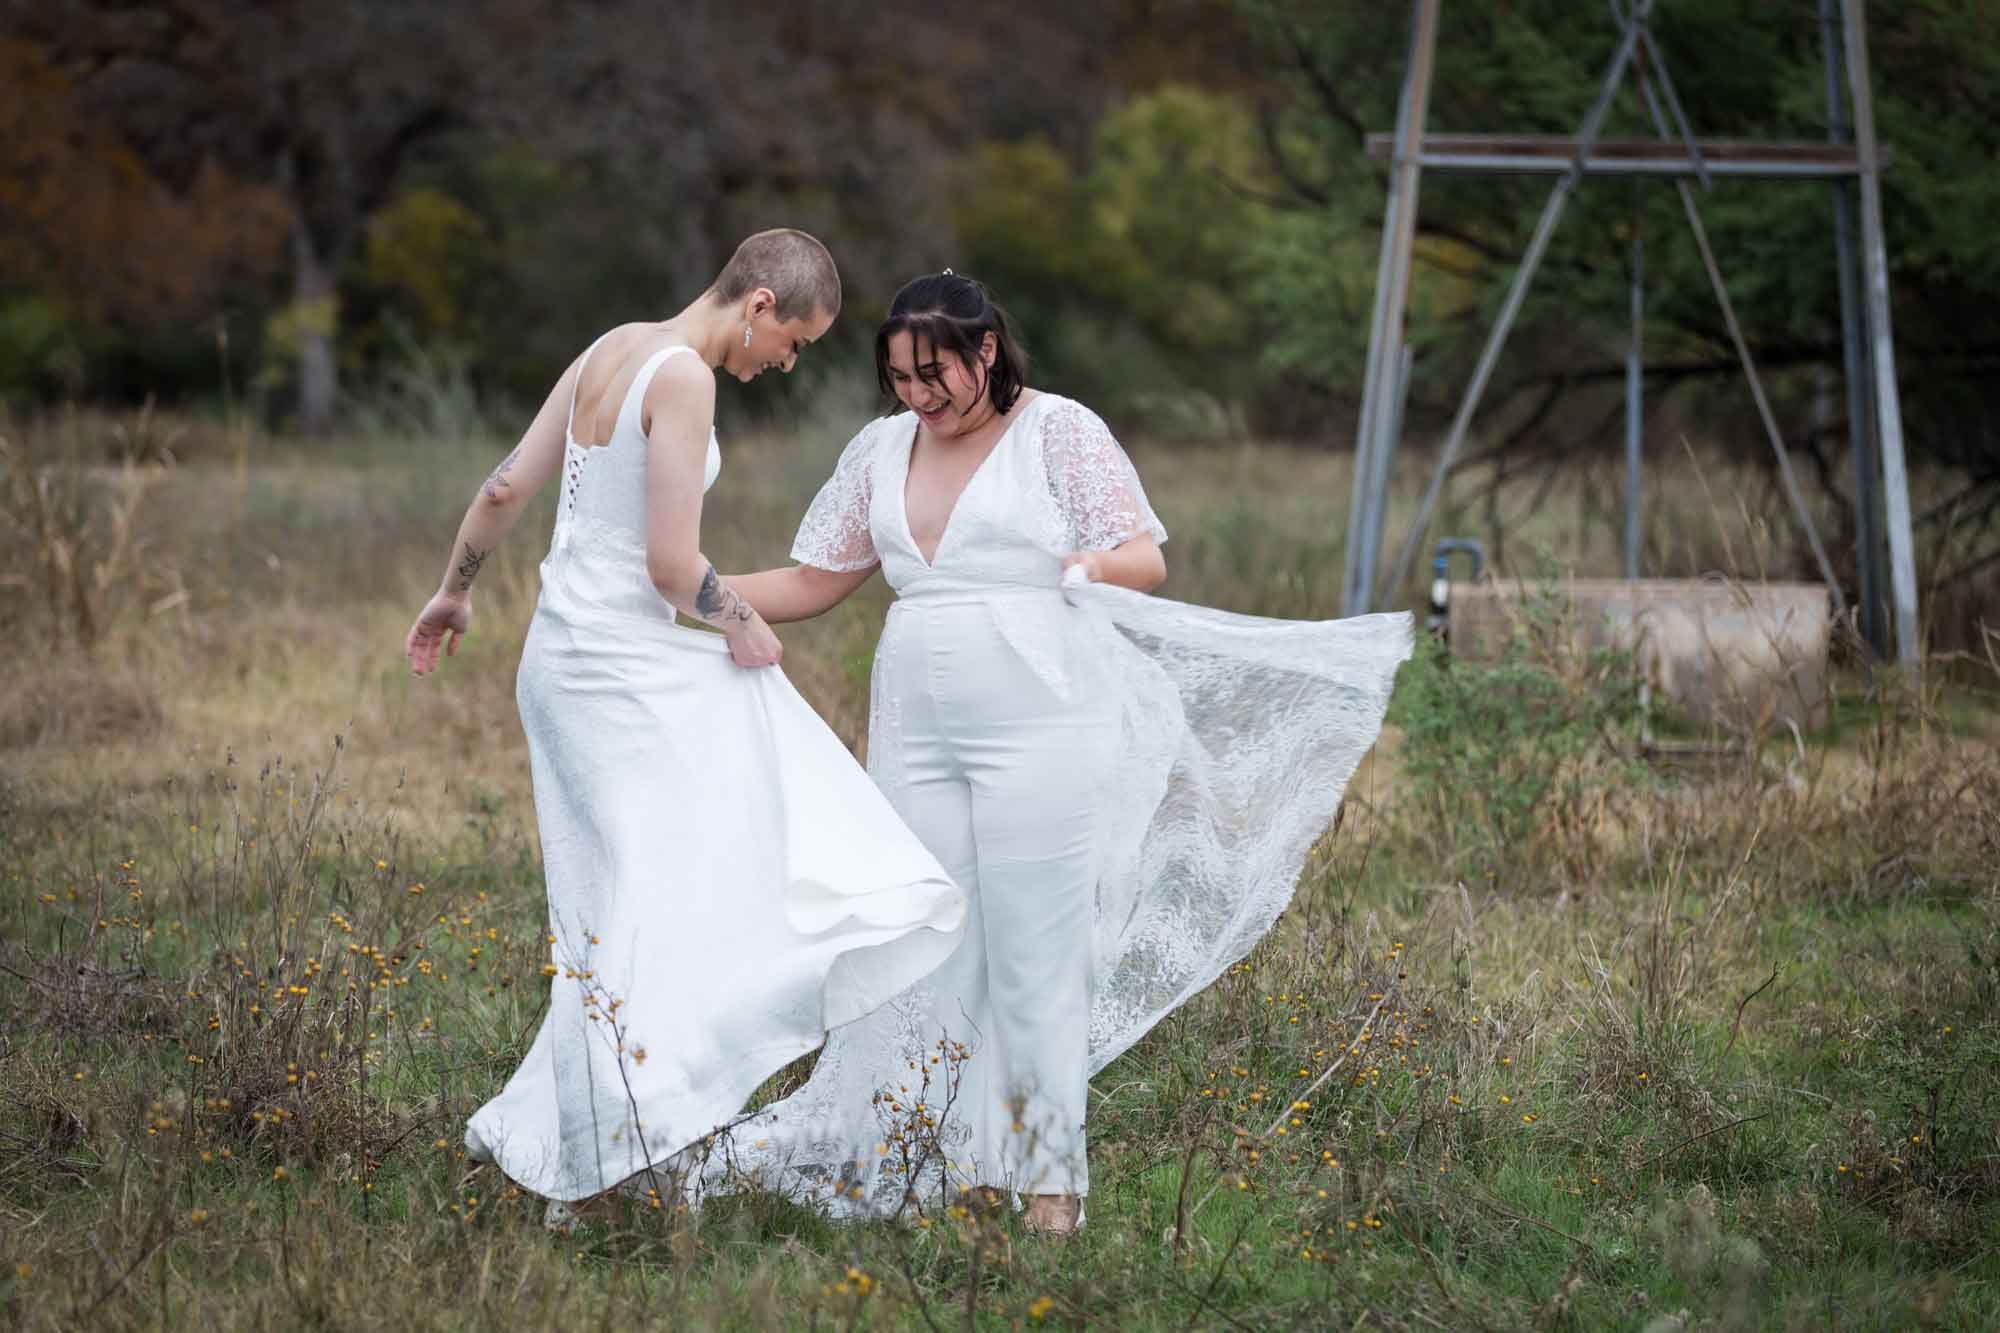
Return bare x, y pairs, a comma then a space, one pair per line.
1090, 562
1134, 563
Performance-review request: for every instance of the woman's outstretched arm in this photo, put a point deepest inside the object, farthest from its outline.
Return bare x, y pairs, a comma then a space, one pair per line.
447, 617
798, 592
834, 552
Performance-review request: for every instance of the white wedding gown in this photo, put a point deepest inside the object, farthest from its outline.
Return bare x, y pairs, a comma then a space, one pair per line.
1203, 752
724, 882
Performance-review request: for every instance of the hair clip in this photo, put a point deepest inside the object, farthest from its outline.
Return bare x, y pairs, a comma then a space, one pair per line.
948, 274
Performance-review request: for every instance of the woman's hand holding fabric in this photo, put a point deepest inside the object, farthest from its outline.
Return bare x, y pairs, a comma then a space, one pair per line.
752, 644
1090, 562
1135, 563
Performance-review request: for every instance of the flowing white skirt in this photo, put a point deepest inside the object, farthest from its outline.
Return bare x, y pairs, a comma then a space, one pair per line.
1236, 737
724, 885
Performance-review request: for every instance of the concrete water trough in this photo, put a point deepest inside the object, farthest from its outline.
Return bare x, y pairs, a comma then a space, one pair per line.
1731, 655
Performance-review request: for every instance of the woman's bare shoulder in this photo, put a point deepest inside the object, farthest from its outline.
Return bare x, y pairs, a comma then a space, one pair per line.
604, 357
615, 361
611, 346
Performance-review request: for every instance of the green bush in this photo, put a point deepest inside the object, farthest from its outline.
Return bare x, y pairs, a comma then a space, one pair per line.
41, 350
1502, 758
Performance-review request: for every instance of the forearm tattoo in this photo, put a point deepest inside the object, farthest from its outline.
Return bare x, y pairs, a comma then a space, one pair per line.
718, 604
496, 483
468, 565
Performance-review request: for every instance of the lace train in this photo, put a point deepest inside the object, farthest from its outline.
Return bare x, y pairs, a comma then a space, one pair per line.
1239, 736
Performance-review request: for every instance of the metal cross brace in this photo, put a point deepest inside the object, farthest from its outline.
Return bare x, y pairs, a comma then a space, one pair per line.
1517, 292
1635, 30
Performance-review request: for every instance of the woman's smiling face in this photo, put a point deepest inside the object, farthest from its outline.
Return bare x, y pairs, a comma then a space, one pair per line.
947, 394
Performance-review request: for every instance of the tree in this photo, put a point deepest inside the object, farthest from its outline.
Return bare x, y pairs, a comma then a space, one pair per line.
89, 239
689, 124
323, 103
1742, 69
1126, 272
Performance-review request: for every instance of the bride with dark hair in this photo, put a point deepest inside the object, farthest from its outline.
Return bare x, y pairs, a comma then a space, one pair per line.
1126, 787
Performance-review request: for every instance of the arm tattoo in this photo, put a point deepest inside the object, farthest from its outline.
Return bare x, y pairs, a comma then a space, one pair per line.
496, 481
468, 565
717, 603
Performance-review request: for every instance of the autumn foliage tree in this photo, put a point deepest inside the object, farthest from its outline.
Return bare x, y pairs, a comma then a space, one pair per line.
318, 105
89, 235
677, 127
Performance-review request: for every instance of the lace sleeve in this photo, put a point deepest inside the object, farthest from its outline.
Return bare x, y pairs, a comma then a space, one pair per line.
834, 534
1094, 483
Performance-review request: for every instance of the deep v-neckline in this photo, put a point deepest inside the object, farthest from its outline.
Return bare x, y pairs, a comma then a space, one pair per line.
909, 456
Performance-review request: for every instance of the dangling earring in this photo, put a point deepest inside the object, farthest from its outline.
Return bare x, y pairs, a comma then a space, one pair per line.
746, 335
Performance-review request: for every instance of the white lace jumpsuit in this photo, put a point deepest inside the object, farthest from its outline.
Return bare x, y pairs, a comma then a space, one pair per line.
1126, 788
994, 760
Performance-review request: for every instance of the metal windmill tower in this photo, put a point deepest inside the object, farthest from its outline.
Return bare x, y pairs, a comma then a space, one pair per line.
1874, 411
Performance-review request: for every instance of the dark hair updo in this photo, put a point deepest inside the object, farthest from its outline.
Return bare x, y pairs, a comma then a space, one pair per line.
943, 312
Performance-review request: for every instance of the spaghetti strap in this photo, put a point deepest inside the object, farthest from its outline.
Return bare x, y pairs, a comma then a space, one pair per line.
569, 426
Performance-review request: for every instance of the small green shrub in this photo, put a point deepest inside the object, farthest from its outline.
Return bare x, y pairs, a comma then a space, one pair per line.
1503, 760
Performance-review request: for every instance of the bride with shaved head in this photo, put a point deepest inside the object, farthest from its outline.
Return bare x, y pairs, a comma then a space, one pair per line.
724, 882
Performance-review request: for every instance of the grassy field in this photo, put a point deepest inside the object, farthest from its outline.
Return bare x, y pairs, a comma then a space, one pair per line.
1552, 1038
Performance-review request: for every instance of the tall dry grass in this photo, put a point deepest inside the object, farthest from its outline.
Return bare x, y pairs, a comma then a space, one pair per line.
1551, 1037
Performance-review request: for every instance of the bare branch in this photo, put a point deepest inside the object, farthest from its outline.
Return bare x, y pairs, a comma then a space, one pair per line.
1274, 148
1321, 84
